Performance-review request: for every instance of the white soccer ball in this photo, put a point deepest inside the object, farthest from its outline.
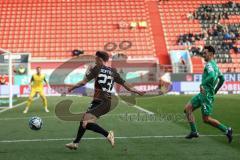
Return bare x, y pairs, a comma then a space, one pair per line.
35, 123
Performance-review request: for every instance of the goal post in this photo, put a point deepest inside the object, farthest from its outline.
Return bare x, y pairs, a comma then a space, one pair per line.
13, 67
7, 65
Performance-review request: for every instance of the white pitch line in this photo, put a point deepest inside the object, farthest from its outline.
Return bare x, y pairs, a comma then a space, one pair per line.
52, 117
144, 110
102, 138
137, 107
140, 108
6, 109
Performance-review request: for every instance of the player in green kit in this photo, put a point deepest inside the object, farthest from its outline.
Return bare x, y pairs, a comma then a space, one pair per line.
212, 80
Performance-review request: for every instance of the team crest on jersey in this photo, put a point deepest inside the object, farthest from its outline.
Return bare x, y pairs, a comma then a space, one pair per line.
209, 68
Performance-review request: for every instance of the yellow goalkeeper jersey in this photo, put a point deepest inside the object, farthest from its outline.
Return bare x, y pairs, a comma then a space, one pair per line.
38, 81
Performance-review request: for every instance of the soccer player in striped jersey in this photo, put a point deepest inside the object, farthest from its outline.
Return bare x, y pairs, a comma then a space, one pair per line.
104, 77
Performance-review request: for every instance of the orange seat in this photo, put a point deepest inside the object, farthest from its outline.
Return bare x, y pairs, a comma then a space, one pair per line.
52, 30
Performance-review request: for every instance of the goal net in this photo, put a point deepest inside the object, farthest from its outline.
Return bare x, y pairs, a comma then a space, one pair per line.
12, 68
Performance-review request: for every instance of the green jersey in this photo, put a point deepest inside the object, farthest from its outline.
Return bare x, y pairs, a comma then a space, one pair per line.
212, 78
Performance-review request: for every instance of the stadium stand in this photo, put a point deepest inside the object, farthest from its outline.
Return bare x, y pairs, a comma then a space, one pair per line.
52, 29
189, 24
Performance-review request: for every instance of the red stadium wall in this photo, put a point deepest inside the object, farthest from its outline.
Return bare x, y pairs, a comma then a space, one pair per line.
158, 34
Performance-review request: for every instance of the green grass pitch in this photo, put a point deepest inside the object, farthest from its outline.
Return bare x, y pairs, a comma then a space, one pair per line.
138, 135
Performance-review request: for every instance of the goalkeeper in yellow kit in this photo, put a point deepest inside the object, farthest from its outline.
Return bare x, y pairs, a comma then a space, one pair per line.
37, 84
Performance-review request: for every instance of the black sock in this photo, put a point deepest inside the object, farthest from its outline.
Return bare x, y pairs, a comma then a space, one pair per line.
80, 133
96, 128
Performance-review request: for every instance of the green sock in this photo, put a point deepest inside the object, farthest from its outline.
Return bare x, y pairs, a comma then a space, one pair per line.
222, 127
193, 127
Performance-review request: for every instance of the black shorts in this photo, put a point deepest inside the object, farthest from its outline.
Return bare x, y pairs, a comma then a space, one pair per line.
99, 107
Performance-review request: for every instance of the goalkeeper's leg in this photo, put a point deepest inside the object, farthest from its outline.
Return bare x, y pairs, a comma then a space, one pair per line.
30, 99
44, 100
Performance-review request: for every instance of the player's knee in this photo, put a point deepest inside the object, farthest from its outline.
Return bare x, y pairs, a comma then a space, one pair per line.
84, 124
206, 119
187, 108
85, 120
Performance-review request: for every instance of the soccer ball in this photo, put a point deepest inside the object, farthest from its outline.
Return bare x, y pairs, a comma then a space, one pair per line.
35, 123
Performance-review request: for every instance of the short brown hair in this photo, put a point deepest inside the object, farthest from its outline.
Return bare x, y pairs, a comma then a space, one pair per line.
103, 55
210, 49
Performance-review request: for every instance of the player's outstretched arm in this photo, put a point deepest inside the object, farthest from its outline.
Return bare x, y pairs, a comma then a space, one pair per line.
91, 74
131, 89
79, 84
220, 83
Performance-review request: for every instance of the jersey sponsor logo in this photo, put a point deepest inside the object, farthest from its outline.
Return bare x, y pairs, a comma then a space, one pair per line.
209, 68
